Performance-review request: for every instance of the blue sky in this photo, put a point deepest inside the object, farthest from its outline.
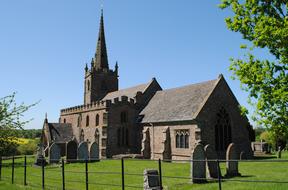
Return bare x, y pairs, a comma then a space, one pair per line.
45, 44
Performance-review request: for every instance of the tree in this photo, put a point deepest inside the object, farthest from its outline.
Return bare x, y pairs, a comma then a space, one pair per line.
265, 24
10, 121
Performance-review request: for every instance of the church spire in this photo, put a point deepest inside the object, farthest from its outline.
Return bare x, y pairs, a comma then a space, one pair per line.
101, 59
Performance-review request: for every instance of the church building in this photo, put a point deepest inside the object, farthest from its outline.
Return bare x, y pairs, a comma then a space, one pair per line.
147, 120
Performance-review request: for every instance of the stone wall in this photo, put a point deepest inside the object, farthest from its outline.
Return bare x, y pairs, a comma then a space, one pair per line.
157, 140
222, 96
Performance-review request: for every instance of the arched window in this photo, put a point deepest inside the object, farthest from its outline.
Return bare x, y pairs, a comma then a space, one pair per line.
64, 121
87, 120
127, 137
124, 117
223, 135
88, 85
182, 138
177, 140
79, 120
82, 136
97, 120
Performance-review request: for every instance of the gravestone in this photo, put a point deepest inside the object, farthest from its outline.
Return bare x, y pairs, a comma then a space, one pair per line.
94, 152
83, 151
71, 151
151, 180
243, 155
232, 166
198, 164
54, 153
211, 166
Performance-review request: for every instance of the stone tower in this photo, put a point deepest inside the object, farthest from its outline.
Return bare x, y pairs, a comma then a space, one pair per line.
99, 79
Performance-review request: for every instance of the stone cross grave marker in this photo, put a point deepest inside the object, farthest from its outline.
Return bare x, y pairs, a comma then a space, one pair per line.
71, 151
232, 166
151, 180
211, 166
54, 153
198, 168
94, 152
83, 151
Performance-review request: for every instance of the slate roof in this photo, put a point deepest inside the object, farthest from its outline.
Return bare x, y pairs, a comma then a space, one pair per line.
129, 92
61, 132
178, 104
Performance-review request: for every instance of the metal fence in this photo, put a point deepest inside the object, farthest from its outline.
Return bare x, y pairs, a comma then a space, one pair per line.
61, 171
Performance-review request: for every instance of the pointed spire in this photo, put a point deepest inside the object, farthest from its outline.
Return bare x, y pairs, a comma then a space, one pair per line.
101, 59
86, 68
46, 118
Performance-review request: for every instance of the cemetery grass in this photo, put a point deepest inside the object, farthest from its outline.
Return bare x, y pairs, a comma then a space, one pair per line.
75, 179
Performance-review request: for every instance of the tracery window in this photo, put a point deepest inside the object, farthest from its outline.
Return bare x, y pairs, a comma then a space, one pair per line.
123, 137
182, 138
223, 135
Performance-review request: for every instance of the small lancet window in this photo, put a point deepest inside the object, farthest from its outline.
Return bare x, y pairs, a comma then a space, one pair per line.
97, 120
87, 120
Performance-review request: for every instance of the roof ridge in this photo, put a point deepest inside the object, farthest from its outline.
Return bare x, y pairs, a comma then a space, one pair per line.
188, 85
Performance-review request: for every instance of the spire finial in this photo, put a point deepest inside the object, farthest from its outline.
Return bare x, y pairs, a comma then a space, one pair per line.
46, 118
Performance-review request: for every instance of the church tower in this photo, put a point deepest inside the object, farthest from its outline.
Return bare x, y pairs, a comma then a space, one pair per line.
99, 79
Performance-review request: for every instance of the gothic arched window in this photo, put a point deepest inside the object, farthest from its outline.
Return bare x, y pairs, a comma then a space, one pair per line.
64, 121
97, 120
182, 139
223, 135
124, 117
87, 120
79, 120
88, 85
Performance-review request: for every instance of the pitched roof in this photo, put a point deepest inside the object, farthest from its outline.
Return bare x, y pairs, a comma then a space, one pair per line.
178, 104
60, 132
129, 92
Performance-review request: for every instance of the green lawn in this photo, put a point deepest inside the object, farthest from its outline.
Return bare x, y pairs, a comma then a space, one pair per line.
76, 180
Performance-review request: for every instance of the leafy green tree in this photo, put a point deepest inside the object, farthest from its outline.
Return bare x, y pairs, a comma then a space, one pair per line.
10, 121
265, 24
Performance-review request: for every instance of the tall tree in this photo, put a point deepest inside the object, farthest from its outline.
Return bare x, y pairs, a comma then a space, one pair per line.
265, 24
10, 121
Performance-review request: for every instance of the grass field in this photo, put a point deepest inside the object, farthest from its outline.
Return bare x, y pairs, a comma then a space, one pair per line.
75, 179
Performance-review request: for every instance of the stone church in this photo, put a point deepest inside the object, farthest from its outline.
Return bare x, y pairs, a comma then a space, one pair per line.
147, 120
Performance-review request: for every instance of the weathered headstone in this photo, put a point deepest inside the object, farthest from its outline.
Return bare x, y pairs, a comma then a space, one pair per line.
83, 151
54, 153
40, 158
279, 152
212, 165
71, 151
151, 180
231, 161
94, 152
243, 155
198, 164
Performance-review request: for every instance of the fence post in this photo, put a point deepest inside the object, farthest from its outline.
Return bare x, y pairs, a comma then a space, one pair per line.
13, 163
86, 172
43, 173
63, 175
0, 168
122, 171
25, 170
160, 173
219, 174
